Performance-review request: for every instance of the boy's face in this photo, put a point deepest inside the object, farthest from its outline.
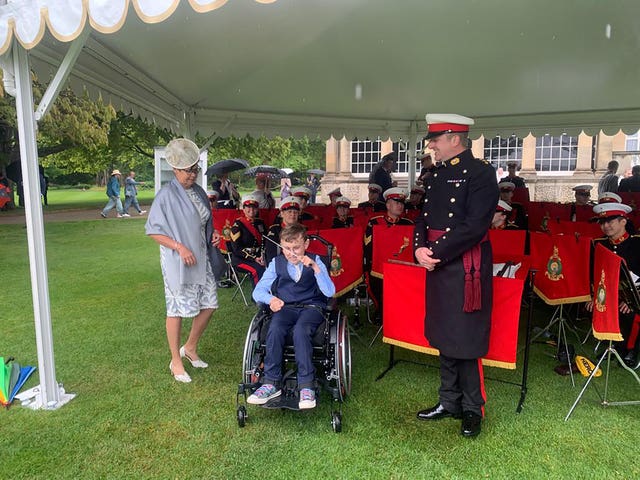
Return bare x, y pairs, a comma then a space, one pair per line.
293, 249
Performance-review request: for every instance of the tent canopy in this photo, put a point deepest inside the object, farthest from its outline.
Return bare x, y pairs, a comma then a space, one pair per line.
348, 67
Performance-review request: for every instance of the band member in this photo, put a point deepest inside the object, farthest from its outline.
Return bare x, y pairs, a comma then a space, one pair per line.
500, 217
289, 215
395, 198
582, 194
517, 216
620, 238
451, 242
333, 196
303, 194
246, 239
374, 204
342, 218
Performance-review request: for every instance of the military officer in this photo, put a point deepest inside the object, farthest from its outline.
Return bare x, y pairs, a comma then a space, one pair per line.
247, 241
373, 203
620, 239
451, 242
500, 217
517, 215
342, 218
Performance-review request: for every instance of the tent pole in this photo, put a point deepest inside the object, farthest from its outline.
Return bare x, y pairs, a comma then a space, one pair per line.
411, 153
48, 394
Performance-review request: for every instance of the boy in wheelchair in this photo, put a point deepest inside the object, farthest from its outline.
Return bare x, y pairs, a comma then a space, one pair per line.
296, 288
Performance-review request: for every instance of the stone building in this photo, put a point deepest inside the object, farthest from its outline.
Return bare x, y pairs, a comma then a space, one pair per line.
550, 165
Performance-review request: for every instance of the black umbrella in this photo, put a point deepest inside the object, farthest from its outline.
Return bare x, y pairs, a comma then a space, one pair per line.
267, 171
227, 166
316, 171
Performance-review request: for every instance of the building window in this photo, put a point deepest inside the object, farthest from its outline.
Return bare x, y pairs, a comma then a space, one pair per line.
556, 154
633, 142
501, 150
402, 165
364, 155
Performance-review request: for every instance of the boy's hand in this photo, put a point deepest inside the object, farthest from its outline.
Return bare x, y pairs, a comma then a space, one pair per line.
308, 262
275, 304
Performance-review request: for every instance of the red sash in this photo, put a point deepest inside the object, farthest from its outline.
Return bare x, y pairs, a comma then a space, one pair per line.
472, 257
254, 231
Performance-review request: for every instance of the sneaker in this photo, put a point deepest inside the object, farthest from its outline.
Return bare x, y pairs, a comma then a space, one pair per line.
307, 399
262, 395
126, 215
103, 215
142, 212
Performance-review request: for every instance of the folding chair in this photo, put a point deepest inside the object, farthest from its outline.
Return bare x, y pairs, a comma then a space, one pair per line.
238, 278
611, 280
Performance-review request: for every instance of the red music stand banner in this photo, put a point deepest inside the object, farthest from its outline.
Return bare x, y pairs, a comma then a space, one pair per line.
584, 213
346, 259
268, 215
223, 219
563, 265
507, 242
541, 213
586, 229
521, 195
606, 278
405, 308
391, 243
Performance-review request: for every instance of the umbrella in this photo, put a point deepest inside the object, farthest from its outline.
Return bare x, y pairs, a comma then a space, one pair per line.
12, 379
265, 171
288, 171
227, 166
316, 171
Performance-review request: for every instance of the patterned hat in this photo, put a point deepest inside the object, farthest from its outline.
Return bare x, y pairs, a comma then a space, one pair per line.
182, 153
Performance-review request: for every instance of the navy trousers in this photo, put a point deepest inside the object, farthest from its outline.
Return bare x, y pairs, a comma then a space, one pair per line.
303, 322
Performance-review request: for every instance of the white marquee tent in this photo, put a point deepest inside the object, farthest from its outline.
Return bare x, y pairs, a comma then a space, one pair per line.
364, 68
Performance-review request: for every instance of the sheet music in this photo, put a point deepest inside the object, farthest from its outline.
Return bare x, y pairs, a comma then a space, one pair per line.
508, 272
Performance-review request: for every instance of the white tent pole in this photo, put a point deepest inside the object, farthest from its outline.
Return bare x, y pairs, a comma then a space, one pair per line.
48, 394
411, 153
61, 75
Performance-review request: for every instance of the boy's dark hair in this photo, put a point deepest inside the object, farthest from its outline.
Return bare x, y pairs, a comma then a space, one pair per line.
292, 232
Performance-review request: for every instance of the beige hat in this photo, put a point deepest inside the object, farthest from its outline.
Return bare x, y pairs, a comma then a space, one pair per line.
335, 192
290, 203
609, 197
343, 202
116, 172
302, 192
582, 188
611, 209
507, 186
182, 153
396, 193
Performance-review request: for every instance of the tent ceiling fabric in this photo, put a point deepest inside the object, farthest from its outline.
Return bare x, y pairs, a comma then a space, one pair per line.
360, 68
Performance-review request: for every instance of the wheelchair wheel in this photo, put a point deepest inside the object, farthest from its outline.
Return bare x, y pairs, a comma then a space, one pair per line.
336, 422
241, 415
251, 355
343, 357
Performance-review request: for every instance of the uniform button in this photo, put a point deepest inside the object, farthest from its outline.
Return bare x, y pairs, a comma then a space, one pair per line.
444, 237
427, 227
453, 200
425, 214
437, 242
448, 229
435, 174
457, 185
464, 171
426, 200
450, 214
429, 187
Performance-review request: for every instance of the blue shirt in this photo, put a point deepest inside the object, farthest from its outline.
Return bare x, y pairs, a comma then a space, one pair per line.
262, 291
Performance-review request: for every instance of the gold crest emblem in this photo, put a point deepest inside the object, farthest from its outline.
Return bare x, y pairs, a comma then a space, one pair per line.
601, 294
405, 244
336, 263
455, 161
226, 230
554, 266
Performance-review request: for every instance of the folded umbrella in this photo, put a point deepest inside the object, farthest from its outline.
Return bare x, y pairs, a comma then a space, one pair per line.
5, 375
226, 166
23, 374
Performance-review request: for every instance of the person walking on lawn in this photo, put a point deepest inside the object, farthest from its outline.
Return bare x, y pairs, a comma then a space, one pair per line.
113, 192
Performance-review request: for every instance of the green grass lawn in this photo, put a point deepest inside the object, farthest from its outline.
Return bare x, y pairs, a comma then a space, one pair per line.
130, 419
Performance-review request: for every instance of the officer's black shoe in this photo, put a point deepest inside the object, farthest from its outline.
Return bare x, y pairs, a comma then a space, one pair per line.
471, 424
631, 359
436, 413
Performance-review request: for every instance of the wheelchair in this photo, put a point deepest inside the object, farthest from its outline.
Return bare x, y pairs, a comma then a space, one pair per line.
331, 358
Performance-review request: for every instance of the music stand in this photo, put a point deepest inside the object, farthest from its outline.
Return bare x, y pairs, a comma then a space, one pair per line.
629, 293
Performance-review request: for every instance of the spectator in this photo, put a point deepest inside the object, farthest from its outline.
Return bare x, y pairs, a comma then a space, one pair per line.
609, 181
313, 184
113, 192
632, 183
131, 193
382, 175
512, 176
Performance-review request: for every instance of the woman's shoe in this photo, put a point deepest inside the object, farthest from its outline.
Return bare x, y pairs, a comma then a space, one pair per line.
194, 363
183, 377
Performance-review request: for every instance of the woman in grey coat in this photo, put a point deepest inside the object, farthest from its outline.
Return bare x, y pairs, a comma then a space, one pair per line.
180, 222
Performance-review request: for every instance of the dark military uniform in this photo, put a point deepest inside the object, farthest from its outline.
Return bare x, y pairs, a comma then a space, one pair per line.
461, 198
339, 223
271, 250
246, 246
518, 216
375, 284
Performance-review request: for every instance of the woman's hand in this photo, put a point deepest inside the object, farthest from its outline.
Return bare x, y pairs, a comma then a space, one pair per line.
187, 256
215, 239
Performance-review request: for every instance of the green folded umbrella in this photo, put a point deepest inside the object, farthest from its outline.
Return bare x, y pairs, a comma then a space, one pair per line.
5, 377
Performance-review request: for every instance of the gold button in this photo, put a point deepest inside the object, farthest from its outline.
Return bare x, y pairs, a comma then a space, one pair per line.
435, 174
448, 229
464, 171
453, 200
450, 214
429, 187
457, 185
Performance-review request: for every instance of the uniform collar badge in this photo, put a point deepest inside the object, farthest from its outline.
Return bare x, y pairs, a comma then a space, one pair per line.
455, 161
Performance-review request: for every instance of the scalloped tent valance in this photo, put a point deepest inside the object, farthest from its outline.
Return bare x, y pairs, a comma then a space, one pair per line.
362, 68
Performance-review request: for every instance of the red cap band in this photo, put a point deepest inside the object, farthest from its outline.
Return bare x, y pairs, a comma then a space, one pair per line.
453, 127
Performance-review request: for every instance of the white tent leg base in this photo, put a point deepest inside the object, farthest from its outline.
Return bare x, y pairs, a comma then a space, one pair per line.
33, 399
